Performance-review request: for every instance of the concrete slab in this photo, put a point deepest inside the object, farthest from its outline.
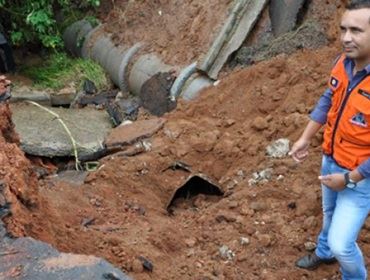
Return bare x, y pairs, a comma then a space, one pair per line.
42, 134
24, 93
131, 133
27, 258
237, 28
283, 14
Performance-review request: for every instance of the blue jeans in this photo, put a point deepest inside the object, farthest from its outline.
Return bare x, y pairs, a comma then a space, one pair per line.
344, 213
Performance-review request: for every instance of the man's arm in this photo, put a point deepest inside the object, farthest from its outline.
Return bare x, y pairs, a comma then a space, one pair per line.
320, 113
299, 151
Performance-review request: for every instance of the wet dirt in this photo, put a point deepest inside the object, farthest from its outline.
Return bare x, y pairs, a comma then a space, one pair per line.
179, 31
120, 214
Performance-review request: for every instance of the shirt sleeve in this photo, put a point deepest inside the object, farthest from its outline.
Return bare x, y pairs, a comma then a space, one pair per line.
319, 114
364, 168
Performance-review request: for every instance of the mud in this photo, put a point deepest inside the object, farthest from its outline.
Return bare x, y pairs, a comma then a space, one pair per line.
220, 135
180, 31
308, 36
254, 231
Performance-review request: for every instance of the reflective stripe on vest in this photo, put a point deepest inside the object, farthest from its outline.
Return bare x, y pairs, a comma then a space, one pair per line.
347, 130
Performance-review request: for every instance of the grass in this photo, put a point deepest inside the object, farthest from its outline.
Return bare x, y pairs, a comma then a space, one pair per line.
60, 70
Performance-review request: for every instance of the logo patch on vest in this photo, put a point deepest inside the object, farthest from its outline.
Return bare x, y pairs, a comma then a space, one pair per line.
334, 82
364, 93
359, 119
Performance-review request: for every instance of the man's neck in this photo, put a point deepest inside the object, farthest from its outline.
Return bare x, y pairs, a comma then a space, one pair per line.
360, 64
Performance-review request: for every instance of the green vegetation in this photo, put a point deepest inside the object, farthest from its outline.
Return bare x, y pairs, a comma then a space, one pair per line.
60, 70
35, 21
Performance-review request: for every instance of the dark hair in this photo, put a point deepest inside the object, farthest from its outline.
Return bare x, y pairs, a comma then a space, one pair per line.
358, 4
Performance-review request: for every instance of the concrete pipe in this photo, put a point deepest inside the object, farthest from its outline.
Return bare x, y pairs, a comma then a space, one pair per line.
97, 45
180, 81
89, 42
144, 68
117, 65
100, 50
194, 85
114, 60
75, 35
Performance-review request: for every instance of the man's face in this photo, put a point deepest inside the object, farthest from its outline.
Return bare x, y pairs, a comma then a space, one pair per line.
355, 33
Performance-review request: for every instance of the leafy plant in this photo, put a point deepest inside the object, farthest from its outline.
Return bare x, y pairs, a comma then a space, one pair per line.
60, 70
35, 20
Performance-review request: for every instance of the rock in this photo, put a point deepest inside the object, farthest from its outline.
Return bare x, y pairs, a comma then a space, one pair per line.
261, 177
310, 246
131, 133
260, 124
308, 205
147, 264
258, 206
123, 109
264, 240
233, 204
279, 148
37, 260
137, 266
225, 216
245, 210
243, 257
63, 97
280, 178
24, 93
229, 122
244, 241
89, 87
226, 253
266, 174
190, 242
41, 134
310, 223
98, 99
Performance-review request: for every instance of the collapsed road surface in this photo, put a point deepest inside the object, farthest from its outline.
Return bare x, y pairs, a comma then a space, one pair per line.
255, 213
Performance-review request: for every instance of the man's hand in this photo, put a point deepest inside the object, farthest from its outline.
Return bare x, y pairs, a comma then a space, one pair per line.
334, 181
299, 151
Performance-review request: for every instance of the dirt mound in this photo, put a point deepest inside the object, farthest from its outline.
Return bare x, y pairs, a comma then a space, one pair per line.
253, 231
18, 182
224, 135
307, 36
180, 31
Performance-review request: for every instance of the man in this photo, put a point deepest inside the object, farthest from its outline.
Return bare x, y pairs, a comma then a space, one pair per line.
345, 176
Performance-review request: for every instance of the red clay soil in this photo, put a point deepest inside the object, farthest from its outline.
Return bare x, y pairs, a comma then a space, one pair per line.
17, 178
223, 134
180, 31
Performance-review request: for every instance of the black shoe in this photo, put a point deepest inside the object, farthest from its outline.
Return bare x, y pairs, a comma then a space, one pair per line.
312, 261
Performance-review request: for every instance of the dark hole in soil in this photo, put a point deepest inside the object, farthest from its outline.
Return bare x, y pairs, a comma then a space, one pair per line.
194, 186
